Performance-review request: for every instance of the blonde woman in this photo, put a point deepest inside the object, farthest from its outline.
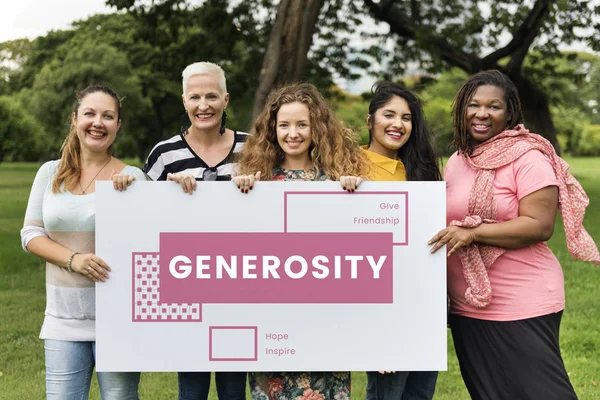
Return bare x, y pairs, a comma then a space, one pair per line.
59, 228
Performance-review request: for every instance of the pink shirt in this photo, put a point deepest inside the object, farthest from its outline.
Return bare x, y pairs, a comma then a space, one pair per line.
527, 282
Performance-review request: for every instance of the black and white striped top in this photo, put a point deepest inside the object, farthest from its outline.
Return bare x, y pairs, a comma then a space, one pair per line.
175, 155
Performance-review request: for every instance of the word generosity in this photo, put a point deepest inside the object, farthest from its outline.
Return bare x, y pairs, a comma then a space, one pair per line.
272, 267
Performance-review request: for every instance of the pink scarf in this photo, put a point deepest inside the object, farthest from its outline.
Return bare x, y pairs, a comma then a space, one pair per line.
494, 153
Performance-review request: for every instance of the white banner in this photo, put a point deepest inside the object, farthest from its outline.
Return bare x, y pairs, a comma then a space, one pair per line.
293, 276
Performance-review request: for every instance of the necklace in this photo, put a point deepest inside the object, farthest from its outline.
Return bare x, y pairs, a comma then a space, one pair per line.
94, 178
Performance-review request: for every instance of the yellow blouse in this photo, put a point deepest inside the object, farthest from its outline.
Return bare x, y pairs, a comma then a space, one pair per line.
383, 168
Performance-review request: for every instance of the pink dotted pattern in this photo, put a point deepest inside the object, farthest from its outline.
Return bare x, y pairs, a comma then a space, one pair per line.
146, 294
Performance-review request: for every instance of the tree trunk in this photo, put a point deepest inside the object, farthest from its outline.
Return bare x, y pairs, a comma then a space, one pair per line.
287, 51
536, 110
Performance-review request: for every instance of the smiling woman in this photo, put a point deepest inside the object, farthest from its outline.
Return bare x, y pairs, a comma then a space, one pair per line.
298, 137
59, 228
504, 186
205, 150
486, 113
399, 149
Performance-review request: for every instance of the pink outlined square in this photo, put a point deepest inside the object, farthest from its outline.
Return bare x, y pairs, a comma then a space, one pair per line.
210, 343
402, 193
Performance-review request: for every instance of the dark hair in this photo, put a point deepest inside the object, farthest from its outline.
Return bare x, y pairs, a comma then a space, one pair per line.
493, 77
417, 154
69, 168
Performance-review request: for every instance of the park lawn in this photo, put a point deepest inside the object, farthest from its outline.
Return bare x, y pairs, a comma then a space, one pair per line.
22, 303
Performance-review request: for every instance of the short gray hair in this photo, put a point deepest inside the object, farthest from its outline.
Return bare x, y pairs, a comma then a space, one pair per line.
205, 68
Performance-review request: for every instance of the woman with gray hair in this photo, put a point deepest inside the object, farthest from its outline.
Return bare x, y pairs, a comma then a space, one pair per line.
203, 152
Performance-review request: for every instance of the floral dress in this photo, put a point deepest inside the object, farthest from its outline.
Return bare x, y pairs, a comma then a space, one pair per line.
299, 385
281, 174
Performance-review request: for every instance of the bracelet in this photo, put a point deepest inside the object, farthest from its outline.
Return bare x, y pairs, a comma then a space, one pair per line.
70, 261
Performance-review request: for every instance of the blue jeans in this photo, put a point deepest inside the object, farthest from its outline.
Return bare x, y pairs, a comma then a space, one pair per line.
195, 385
69, 367
401, 385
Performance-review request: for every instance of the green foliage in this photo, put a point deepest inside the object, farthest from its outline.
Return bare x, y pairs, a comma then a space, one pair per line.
22, 138
588, 65
89, 62
437, 100
141, 55
432, 30
13, 53
570, 122
353, 110
437, 114
570, 80
589, 144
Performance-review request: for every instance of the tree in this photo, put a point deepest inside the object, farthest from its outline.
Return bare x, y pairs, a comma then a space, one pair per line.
438, 36
147, 47
55, 85
13, 54
22, 138
173, 34
287, 53
446, 34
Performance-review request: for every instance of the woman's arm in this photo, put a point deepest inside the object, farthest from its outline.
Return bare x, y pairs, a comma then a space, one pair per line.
535, 223
35, 238
87, 264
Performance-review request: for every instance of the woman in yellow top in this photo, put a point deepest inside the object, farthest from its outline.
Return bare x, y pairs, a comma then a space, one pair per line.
399, 149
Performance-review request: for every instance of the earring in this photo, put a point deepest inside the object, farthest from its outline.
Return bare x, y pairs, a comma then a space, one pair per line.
185, 121
223, 120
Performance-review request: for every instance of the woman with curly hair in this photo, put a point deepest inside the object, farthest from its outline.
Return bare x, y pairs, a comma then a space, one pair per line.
298, 137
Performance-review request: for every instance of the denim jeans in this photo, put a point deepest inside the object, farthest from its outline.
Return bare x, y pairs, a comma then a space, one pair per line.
401, 385
69, 367
195, 385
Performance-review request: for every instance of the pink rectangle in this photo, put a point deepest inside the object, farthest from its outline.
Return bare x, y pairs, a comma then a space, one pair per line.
359, 268
210, 343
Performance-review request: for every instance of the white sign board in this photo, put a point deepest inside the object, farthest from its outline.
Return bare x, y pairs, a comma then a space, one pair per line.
293, 276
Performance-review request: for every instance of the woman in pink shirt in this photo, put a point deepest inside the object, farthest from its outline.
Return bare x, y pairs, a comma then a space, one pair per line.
506, 288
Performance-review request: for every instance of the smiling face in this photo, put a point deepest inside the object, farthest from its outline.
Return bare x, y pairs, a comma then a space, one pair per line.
390, 126
294, 132
486, 114
97, 121
204, 101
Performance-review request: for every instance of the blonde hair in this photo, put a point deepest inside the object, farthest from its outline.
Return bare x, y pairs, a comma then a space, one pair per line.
204, 68
69, 167
333, 150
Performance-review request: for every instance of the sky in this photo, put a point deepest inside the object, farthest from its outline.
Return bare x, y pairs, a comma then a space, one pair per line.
32, 18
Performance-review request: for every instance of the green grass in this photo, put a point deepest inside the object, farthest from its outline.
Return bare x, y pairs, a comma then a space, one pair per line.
22, 302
